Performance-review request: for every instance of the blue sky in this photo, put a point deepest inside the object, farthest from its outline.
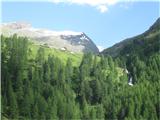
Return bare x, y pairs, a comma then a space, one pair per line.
105, 23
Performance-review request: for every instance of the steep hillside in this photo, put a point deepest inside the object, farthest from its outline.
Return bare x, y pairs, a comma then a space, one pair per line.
77, 42
61, 54
144, 45
36, 84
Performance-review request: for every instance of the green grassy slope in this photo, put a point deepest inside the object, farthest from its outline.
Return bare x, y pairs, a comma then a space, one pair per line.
63, 55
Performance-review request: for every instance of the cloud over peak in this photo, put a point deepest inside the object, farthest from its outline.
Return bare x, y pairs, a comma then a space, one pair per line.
101, 5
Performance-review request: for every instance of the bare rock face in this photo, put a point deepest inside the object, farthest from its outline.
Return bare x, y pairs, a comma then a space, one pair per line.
77, 42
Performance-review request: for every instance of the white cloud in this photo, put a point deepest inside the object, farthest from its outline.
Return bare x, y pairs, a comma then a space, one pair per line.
102, 8
101, 48
101, 5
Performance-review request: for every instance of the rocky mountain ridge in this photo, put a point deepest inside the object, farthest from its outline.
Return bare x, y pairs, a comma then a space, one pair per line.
77, 42
143, 44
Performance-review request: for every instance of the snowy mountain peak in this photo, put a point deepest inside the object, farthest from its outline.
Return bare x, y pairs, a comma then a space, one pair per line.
28, 26
70, 40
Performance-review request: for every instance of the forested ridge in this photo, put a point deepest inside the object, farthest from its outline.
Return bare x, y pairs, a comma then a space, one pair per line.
46, 88
143, 45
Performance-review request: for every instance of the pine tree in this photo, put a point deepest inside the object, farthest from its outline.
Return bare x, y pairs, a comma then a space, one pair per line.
69, 71
85, 110
100, 112
93, 114
46, 72
51, 112
35, 114
13, 107
131, 109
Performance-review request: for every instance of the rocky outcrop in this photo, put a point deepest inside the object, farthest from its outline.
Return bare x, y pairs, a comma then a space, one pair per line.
72, 41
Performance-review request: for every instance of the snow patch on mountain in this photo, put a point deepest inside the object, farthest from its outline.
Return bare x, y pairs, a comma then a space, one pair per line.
84, 38
70, 40
58, 33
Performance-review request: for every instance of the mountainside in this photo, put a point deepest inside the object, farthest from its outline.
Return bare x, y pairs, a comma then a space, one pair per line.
144, 44
77, 42
38, 84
